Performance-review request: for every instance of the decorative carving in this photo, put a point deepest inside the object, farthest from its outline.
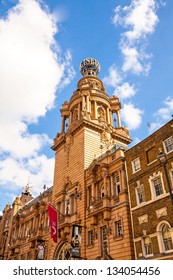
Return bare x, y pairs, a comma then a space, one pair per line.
84, 113
69, 141
106, 138
161, 212
143, 219
101, 115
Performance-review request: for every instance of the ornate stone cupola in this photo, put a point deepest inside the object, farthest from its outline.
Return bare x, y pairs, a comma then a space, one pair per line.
90, 104
90, 101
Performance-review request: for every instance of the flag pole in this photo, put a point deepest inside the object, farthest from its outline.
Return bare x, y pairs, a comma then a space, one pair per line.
55, 209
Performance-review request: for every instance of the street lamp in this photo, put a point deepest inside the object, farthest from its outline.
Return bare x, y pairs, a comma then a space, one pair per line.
163, 160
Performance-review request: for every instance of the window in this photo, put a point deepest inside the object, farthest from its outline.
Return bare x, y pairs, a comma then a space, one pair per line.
118, 228
104, 246
136, 166
101, 189
90, 237
168, 144
148, 246
140, 194
157, 184
166, 235
116, 183
171, 174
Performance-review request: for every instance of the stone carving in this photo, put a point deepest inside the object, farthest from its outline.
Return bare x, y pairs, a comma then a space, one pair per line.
143, 219
89, 67
161, 212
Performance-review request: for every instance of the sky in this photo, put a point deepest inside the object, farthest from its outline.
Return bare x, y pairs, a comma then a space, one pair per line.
42, 44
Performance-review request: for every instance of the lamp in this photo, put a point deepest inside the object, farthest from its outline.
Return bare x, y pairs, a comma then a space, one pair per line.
163, 160
162, 157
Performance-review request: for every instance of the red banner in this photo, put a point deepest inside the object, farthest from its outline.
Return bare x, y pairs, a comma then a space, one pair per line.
53, 218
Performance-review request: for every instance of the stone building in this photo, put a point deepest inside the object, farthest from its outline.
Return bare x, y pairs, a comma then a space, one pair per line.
89, 189
150, 180
25, 225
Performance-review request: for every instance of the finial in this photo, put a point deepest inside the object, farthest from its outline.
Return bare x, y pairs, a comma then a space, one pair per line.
89, 67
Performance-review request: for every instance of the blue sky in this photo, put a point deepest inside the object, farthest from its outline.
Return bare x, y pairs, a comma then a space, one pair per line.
41, 46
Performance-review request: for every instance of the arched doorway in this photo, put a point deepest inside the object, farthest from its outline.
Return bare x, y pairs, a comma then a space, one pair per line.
63, 251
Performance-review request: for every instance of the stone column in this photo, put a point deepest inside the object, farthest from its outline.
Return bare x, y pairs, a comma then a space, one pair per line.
108, 116
62, 124
111, 121
105, 185
70, 118
95, 110
79, 112
112, 185
83, 102
123, 182
109, 186
119, 119
88, 103
93, 189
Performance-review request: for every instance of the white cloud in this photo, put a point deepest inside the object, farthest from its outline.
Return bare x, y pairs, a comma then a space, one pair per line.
114, 78
131, 116
34, 67
140, 20
131, 60
15, 173
165, 113
162, 115
125, 91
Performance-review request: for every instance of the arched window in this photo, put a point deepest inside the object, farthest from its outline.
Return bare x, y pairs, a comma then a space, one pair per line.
102, 191
148, 246
166, 235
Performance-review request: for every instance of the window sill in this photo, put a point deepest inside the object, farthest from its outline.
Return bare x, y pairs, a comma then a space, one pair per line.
117, 238
135, 171
89, 246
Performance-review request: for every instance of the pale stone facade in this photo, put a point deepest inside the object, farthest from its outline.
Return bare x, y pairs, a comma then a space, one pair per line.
89, 189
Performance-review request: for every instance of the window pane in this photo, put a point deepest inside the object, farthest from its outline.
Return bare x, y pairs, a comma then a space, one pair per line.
148, 246
118, 228
136, 165
169, 144
158, 186
140, 194
167, 238
90, 237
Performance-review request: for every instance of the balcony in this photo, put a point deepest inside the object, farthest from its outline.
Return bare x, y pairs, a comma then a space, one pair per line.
102, 205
